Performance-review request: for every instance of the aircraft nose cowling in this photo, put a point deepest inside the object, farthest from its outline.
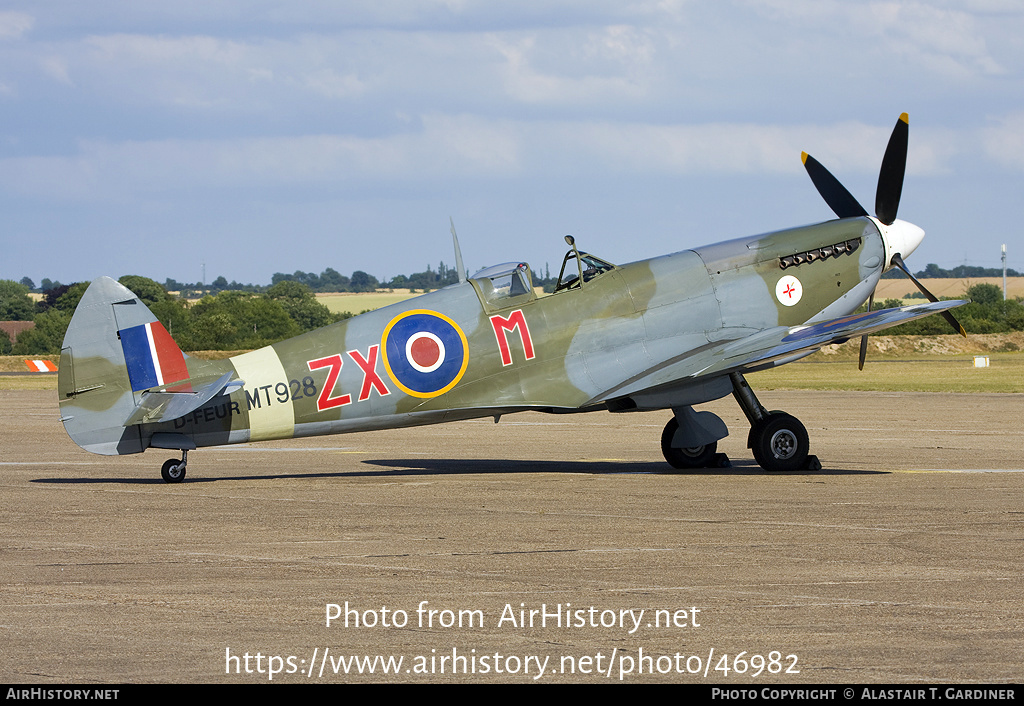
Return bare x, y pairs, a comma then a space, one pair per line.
900, 238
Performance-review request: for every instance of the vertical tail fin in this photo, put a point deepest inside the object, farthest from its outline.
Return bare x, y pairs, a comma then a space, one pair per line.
113, 350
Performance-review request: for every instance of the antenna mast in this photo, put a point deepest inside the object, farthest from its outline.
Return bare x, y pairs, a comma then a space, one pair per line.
459, 267
1004, 272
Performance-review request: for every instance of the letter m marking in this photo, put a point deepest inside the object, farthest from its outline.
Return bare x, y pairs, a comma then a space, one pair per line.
515, 322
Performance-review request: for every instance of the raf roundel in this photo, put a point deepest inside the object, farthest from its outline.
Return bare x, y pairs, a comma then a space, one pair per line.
425, 353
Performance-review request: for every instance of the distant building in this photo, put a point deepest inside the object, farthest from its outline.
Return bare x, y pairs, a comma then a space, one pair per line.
14, 328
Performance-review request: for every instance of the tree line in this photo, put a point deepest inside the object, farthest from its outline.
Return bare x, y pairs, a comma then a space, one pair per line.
227, 315
987, 313
227, 320
244, 320
933, 271
329, 280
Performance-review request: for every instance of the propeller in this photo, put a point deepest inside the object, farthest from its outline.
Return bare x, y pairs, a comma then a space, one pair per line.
890, 180
887, 203
835, 194
890, 176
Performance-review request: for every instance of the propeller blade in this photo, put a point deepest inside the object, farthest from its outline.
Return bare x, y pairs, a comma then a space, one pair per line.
864, 338
835, 194
890, 176
898, 261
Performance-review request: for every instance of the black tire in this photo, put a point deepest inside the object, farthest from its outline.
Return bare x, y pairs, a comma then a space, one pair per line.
779, 442
696, 457
173, 471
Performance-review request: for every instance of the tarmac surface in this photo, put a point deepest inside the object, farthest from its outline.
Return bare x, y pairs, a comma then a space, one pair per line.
899, 562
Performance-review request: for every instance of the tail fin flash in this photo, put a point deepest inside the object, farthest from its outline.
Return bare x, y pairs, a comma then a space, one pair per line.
152, 356
113, 350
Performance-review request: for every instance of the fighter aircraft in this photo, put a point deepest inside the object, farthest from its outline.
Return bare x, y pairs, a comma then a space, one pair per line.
667, 333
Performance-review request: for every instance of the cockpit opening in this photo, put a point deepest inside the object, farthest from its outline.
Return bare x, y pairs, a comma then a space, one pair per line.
579, 267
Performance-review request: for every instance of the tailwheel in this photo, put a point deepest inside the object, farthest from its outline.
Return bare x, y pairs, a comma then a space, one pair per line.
173, 470
779, 442
694, 457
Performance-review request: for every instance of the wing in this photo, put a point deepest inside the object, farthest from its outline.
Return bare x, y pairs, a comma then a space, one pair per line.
760, 349
784, 342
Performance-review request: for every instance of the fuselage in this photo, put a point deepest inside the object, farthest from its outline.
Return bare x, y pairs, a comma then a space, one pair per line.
619, 336
634, 336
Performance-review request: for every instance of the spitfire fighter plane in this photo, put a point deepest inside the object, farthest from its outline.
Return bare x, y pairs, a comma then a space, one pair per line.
667, 333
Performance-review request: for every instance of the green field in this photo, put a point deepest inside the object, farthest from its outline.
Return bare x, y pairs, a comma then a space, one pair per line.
920, 374
358, 303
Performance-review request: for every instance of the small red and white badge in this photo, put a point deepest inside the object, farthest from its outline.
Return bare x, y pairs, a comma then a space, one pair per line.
789, 290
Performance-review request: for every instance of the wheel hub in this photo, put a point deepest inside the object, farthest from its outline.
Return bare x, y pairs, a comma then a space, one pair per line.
783, 444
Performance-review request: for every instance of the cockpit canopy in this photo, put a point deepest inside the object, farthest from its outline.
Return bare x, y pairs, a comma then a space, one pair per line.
511, 283
503, 285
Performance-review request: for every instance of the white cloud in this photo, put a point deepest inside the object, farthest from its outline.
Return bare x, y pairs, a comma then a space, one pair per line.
197, 71
455, 147
14, 24
447, 146
330, 84
948, 42
56, 67
1003, 142
607, 67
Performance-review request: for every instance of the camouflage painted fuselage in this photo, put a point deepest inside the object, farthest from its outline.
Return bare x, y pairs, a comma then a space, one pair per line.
646, 335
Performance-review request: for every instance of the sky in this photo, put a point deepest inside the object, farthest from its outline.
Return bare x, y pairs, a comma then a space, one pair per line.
255, 137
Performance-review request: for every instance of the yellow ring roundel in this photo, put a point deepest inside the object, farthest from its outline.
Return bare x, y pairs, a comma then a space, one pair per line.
425, 353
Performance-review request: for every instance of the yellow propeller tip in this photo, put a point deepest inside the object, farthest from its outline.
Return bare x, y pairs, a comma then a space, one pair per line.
905, 118
803, 157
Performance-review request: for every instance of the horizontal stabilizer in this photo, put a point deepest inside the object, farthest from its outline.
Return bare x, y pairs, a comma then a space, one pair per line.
165, 406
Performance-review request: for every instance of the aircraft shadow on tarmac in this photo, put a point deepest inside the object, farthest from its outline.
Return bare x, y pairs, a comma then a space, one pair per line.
418, 467
431, 466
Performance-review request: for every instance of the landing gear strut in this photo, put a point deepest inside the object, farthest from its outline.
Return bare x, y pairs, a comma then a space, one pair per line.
173, 470
778, 440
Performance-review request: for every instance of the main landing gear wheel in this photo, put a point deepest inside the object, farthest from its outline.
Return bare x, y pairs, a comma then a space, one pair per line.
779, 442
173, 470
695, 457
